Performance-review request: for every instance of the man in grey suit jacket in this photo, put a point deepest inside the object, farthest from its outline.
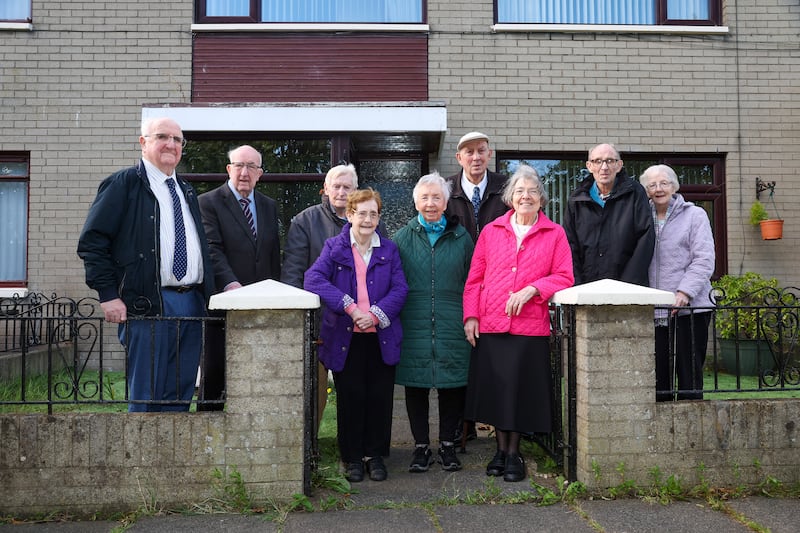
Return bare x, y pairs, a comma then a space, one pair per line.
241, 225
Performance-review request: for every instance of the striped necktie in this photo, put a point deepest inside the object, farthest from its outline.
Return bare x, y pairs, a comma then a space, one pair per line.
248, 214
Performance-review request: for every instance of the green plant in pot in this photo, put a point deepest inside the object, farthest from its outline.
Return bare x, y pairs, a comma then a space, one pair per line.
745, 295
771, 228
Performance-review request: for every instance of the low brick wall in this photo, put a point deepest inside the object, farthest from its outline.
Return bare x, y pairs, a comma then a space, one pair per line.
726, 443
88, 463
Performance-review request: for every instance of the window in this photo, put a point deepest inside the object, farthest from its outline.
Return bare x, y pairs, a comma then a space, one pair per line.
15, 11
627, 12
14, 177
702, 180
314, 11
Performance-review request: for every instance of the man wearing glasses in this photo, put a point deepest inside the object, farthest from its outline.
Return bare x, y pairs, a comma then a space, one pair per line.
608, 222
242, 229
145, 253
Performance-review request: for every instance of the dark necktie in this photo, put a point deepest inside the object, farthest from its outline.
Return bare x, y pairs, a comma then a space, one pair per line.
476, 201
248, 214
179, 262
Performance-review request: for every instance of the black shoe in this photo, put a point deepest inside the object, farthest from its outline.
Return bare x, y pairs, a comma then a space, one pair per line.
423, 457
376, 469
354, 472
447, 456
515, 468
497, 465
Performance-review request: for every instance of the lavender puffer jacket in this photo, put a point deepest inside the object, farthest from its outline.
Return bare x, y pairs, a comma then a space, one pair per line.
683, 259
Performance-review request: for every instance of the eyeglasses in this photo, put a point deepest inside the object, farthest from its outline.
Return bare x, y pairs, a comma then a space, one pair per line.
363, 215
163, 138
250, 166
660, 184
601, 162
529, 192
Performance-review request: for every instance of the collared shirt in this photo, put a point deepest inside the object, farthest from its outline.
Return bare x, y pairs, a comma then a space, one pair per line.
194, 268
251, 197
375, 242
468, 187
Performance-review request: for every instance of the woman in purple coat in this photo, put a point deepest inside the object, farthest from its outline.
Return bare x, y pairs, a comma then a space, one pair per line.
359, 278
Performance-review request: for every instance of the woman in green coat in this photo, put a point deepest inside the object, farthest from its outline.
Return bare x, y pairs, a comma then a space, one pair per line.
436, 255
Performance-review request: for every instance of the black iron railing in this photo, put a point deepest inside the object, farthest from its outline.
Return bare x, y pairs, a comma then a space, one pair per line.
54, 351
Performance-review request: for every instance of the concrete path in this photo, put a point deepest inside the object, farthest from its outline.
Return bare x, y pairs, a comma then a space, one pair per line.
465, 501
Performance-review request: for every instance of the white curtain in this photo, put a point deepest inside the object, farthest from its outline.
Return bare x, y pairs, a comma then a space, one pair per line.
377, 11
15, 9
578, 11
13, 229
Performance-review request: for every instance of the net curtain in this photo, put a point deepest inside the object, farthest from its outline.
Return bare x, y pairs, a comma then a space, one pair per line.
13, 230
378, 11
597, 11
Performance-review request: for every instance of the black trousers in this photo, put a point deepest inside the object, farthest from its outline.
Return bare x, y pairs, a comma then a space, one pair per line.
451, 408
364, 395
212, 366
691, 339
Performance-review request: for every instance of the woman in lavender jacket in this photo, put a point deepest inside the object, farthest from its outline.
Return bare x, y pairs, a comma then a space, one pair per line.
683, 262
359, 278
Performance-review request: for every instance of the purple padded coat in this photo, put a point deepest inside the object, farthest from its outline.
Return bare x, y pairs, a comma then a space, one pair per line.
333, 278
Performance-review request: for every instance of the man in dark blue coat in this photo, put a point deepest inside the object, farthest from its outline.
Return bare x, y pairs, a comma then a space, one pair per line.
145, 253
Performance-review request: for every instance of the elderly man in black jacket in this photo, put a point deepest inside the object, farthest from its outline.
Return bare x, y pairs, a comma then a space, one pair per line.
476, 200
477, 196
608, 223
145, 253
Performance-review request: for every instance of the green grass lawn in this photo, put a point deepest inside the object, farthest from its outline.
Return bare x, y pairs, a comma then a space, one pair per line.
114, 394
63, 389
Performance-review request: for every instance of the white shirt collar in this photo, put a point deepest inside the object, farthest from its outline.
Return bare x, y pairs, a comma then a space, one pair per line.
468, 187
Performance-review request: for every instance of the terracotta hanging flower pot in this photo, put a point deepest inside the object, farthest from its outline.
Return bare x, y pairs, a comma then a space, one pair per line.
771, 229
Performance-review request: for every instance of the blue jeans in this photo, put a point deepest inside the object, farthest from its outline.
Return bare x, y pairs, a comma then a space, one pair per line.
163, 355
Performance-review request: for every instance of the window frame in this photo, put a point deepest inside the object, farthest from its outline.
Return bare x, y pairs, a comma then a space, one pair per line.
20, 157
714, 18
255, 17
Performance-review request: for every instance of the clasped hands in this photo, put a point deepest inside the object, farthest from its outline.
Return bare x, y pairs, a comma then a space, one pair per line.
362, 320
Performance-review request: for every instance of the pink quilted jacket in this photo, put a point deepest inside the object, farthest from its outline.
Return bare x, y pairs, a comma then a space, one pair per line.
544, 260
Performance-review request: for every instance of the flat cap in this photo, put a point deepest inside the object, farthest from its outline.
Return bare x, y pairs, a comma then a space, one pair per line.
472, 136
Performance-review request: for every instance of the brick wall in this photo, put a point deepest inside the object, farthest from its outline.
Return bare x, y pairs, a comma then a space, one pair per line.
73, 89
724, 443
87, 463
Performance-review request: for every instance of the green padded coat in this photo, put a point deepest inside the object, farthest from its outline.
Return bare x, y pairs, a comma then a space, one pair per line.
435, 353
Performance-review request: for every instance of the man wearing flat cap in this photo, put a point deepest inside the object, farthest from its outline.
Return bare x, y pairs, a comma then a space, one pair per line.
476, 200
477, 196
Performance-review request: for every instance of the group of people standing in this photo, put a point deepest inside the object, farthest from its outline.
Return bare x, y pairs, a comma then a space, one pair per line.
456, 301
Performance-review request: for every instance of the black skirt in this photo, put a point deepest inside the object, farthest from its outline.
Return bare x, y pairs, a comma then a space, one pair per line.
509, 383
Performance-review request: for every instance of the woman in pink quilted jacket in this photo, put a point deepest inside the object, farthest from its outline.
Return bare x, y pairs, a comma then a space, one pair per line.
521, 259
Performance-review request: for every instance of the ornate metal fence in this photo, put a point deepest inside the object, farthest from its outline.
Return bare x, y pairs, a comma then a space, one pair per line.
60, 341
755, 336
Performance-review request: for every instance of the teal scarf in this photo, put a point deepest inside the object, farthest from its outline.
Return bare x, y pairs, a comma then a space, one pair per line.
433, 229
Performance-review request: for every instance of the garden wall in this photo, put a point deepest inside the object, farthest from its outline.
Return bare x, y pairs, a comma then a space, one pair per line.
89, 463
622, 430
97, 462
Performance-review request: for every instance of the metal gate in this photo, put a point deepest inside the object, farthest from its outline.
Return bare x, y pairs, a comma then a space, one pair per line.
560, 443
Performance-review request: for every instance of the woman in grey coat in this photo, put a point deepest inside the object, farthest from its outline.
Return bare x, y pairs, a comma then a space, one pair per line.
683, 262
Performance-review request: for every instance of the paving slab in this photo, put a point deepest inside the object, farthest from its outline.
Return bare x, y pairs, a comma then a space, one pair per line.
780, 515
639, 516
